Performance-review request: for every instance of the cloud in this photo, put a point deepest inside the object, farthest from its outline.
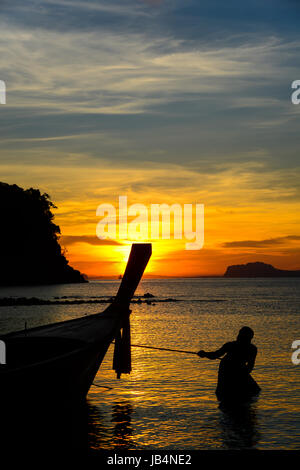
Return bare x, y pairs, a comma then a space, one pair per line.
89, 239
131, 72
227, 185
261, 243
135, 89
113, 8
153, 2
81, 95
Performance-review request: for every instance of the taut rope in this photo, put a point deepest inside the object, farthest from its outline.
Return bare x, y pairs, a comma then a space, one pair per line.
162, 349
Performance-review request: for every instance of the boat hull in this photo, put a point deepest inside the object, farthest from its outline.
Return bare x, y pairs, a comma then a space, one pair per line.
66, 377
58, 362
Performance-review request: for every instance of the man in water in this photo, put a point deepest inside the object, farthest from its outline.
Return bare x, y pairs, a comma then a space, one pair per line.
234, 380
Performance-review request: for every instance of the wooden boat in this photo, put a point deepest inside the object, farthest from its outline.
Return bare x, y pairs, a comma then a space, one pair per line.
59, 361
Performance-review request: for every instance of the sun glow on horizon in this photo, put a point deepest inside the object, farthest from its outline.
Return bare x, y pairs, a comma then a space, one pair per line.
242, 223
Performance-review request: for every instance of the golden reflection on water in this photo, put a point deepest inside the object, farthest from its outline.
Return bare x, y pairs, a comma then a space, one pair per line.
171, 396
168, 400
162, 408
122, 432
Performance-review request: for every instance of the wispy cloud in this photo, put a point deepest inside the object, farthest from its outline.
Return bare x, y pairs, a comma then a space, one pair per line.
132, 92
152, 2
89, 239
114, 8
269, 242
109, 73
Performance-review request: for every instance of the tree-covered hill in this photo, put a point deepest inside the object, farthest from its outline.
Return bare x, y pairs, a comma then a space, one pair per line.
29, 249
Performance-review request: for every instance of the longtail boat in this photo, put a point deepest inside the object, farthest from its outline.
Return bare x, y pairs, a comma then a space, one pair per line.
61, 360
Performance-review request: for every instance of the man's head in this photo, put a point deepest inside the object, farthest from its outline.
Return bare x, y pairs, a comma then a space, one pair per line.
245, 335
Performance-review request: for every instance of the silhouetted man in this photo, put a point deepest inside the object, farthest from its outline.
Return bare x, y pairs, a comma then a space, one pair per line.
234, 380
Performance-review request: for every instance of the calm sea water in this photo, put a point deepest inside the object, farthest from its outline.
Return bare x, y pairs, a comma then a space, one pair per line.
168, 400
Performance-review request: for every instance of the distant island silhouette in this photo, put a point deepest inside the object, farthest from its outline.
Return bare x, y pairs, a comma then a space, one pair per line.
258, 269
29, 249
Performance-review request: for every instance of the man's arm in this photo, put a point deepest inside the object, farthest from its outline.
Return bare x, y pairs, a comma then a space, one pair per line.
251, 361
214, 354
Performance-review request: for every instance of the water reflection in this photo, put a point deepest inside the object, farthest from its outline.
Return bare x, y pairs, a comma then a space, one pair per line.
88, 429
95, 429
122, 432
79, 430
239, 426
103, 435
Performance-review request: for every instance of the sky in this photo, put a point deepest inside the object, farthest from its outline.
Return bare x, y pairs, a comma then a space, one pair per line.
164, 101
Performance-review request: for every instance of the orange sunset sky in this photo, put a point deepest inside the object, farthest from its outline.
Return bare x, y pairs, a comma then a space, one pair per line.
163, 104
242, 223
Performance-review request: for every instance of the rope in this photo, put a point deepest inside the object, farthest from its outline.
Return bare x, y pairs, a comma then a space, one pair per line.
149, 347
162, 349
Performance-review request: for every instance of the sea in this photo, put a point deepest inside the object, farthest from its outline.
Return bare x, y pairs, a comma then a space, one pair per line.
168, 400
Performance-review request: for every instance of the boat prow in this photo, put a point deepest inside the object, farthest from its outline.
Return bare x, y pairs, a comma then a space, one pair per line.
60, 360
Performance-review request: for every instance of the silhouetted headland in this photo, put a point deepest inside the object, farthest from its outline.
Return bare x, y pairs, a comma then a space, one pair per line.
29, 247
258, 269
